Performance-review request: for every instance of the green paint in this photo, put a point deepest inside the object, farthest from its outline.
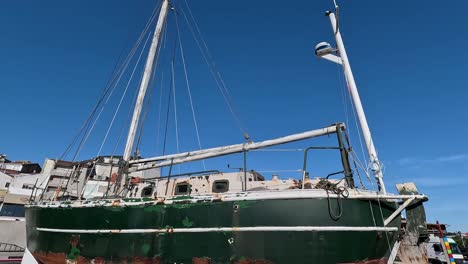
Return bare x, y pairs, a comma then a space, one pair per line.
245, 204
145, 248
187, 223
113, 208
277, 247
181, 197
74, 253
182, 205
153, 208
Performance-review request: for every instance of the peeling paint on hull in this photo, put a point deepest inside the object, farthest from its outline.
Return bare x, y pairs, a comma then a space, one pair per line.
372, 261
213, 247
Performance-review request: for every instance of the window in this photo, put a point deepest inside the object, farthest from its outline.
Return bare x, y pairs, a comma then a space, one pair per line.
220, 186
182, 188
455, 249
437, 248
7, 185
147, 191
12, 210
28, 187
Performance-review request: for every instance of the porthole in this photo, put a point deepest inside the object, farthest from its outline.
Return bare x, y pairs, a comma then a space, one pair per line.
220, 186
182, 189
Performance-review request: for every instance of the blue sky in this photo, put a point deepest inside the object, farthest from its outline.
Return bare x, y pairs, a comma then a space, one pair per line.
407, 56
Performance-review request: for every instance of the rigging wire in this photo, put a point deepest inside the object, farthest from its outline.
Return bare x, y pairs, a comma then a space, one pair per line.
222, 87
111, 86
175, 111
88, 133
159, 111
188, 87
174, 51
151, 85
161, 92
142, 122
107, 86
367, 168
167, 120
119, 140
123, 95
346, 97
350, 149
86, 129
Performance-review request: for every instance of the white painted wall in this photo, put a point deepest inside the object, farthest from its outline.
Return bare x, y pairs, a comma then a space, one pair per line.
13, 231
4, 178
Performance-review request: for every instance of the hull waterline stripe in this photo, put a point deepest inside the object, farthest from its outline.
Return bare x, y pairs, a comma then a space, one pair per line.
225, 229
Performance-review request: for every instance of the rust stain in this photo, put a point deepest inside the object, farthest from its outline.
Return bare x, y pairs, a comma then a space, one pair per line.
155, 260
135, 180
114, 177
57, 258
160, 201
52, 258
60, 258
254, 261
99, 260
372, 261
202, 260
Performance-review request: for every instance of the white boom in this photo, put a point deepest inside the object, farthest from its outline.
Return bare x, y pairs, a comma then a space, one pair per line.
156, 162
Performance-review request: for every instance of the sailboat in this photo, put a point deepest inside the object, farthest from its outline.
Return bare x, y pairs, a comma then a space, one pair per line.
223, 217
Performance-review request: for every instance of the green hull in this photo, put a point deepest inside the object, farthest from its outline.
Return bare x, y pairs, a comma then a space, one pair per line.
52, 238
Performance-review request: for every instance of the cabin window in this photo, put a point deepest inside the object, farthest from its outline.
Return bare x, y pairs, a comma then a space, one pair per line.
16, 210
220, 186
182, 188
7, 185
27, 187
437, 248
147, 191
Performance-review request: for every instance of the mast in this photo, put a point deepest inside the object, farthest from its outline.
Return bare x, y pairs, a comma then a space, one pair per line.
145, 81
144, 85
375, 163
